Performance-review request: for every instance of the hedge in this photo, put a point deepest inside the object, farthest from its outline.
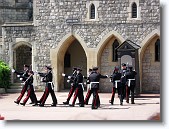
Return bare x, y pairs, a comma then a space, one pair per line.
4, 75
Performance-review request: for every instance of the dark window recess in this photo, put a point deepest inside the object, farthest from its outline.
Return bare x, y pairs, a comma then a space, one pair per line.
92, 12
67, 60
114, 54
157, 50
134, 10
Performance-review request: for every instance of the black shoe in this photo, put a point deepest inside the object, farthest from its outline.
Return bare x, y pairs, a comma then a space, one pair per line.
121, 103
53, 105
31, 103
94, 107
127, 101
133, 103
111, 102
67, 102
86, 103
38, 101
22, 104
41, 105
81, 105
71, 105
16, 102
78, 103
35, 104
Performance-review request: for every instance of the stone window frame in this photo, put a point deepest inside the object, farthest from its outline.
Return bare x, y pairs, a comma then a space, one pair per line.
114, 51
129, 10
88, 6
157, 50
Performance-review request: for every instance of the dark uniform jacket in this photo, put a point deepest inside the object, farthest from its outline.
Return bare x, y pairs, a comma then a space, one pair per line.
123, 76
114, 77
131, 75
78, 79
23, 75
95, 77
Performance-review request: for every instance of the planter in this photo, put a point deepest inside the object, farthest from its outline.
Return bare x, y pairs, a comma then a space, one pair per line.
2, 90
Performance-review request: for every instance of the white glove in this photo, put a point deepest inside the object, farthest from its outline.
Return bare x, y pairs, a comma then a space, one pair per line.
107, 76
85, 83
69, 77
68, 81
22, 83
18, 75
21, 79
41, 79
36, 72
63, 74
13, 70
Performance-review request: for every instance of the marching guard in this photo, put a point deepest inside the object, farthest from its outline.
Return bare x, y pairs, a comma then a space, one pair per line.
130, 77
94, 79
49, 88
24, 75
29, 83
115, 79
78, 82
73, 87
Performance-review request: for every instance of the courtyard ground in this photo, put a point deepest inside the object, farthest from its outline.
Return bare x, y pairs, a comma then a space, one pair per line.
145, 108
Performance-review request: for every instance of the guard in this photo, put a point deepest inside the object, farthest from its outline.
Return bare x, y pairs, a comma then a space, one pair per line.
78, 82
130, 84
47, 78
94, 79
115, 79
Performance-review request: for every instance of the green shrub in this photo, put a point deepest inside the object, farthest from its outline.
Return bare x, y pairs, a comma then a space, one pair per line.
4, 75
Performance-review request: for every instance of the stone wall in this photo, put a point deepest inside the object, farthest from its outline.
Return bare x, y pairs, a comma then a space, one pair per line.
151, 70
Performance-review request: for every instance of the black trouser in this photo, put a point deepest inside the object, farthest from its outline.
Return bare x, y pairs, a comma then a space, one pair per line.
78, 93
24, 89
48, 89
96, 100
122, 92
30, 93
119, 94
128, 90
72, 89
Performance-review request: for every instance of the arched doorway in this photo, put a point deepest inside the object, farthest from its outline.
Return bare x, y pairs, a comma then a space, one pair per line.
151, 66
74, 57
22, 55
107, 62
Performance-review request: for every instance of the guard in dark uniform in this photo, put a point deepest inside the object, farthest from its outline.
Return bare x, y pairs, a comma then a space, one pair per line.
94, 79
24, 75
71, 81
47, 78
123, 81
88, 90
78, 82
115, 79
30, 90
130, 85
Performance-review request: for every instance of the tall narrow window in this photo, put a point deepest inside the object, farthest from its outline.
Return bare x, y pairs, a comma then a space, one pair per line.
134, 10
114, 46
67, 60
92, 12
157, 50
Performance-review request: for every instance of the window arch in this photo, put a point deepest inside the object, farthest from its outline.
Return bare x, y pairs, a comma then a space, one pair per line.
134, 10
114, 52
92, 11
157, 50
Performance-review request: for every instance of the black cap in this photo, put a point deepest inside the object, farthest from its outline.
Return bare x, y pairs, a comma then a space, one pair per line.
95, 68
48, 67
26, 65
74, 68
79, 69
123, 64
90, 70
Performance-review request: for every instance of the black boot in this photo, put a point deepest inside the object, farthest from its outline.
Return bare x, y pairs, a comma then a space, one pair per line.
67, 102
22, 104
16, 102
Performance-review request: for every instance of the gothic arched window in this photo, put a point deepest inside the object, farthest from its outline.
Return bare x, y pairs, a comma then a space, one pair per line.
92, 11
134, 10
157, 50
114, 46
67, 60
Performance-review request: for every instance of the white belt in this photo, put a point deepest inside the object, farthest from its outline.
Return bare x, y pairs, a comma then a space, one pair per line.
52, 86
129, 81
81, 85
90, 86
116, 83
